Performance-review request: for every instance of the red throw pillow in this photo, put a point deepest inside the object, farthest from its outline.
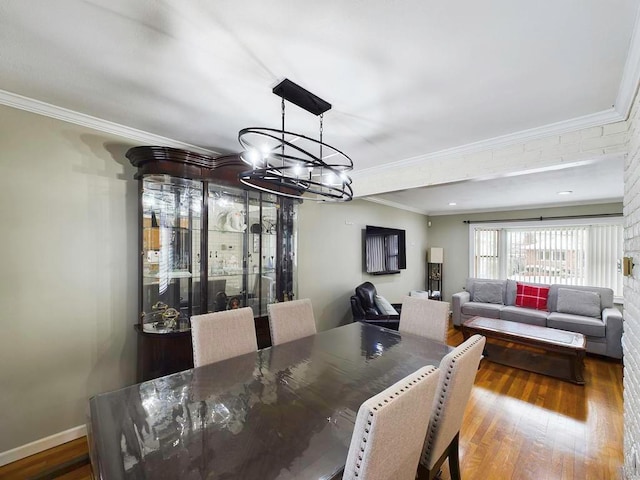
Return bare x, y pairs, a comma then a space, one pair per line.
531, 296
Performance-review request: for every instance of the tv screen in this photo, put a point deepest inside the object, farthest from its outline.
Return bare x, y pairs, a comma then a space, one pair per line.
384, 250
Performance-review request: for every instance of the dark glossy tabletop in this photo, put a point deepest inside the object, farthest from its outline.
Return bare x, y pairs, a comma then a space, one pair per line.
281, 413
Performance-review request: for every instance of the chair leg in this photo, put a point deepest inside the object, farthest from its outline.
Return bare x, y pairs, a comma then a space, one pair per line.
454, 459
451, 453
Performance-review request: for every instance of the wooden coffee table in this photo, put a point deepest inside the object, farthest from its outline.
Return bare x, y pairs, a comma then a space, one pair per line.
562, 353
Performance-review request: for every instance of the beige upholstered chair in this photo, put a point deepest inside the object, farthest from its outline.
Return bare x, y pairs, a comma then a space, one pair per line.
221, 335
291, 320
457, 374
424, 317
390, 429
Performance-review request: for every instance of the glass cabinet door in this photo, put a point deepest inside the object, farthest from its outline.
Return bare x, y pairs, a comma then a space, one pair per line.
170, 222
226, 249
246, 255
287, 243
262, 252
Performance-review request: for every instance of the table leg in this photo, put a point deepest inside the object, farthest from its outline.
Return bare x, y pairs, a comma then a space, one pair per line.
577, 367
465, 333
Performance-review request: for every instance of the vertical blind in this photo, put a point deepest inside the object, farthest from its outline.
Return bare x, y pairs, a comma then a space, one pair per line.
570, 255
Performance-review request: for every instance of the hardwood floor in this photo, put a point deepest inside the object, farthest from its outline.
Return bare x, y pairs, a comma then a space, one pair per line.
41, 465
518, 425
521, 425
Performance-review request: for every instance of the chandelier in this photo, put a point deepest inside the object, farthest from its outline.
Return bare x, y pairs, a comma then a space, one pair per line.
291, 164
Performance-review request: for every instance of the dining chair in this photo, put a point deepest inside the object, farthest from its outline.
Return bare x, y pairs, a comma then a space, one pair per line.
424, 317
291, 320
390, 429
220, 335
457, 374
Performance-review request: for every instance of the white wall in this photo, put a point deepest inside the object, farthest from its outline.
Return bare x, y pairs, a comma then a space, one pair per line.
631, 337
450, 232
330, 256
68, 290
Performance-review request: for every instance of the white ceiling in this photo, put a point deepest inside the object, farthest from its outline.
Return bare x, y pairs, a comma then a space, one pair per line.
405, 78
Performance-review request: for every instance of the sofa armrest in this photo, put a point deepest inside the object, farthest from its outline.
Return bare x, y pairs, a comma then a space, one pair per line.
398, 307
356, 308
457, 300
612, 318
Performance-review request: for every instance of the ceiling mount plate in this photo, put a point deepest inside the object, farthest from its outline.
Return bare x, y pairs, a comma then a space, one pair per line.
297, 95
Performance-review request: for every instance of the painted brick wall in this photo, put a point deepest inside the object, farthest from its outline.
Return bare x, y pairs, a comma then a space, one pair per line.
553, 150
631, 338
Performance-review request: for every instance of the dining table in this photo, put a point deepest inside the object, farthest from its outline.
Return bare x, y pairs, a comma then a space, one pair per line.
283, 412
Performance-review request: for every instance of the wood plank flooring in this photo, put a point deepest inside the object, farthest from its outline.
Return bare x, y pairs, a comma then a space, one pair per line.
518, 425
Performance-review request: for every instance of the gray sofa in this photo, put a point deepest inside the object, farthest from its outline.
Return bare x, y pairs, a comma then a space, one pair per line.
587, 310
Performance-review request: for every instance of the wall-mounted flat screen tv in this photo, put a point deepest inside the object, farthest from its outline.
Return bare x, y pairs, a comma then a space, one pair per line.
384, 250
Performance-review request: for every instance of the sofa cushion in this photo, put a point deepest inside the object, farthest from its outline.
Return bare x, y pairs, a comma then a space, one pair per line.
579, 302
592, 327
384, 306
472, 283
532, 296
489, 292
606, 295
490, 310
524, 315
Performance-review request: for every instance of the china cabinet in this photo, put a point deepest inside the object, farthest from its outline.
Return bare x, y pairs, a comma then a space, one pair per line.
206, 244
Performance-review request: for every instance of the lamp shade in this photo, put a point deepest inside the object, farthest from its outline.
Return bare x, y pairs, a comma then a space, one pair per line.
435, 255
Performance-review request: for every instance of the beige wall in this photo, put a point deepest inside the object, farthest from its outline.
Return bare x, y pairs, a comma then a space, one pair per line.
330, 256
450, 232
68, 207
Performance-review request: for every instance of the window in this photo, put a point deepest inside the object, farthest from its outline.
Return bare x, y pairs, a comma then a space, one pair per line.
578, 254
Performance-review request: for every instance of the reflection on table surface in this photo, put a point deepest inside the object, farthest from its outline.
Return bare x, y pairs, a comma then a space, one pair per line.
280, 413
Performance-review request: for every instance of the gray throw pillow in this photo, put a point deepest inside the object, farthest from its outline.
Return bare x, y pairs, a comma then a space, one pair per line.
488, 292
579, 302
384, 306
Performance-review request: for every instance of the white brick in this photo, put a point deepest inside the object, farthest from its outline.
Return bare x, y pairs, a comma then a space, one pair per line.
485, 156
602, 142
574, 157
508, 151
591, 132
572, 137
541, 143
616, 149
617, 127
562, 149
631, 344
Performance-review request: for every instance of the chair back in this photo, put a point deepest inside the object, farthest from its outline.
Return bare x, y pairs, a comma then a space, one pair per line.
424, 317
390, 429
366, 296
457, 374
221, 335
289, 321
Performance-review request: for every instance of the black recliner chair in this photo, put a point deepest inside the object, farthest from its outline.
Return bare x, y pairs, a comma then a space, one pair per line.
364, 308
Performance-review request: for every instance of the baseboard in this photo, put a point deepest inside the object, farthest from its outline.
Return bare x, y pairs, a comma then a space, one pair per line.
41, 445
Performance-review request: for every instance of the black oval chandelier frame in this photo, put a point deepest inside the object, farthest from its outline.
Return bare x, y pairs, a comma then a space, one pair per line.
283, 162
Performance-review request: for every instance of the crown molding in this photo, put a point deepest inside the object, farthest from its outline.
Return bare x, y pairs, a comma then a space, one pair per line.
48, 110
630, 74
523, 136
